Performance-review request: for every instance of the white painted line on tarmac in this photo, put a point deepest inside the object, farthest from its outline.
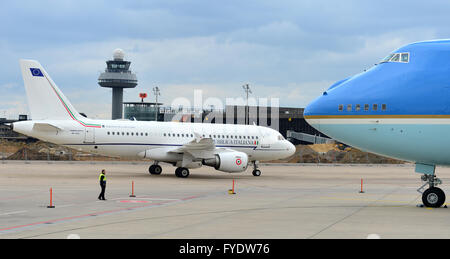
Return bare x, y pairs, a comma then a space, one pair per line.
137, 198
67, 205
158, 199
13, 212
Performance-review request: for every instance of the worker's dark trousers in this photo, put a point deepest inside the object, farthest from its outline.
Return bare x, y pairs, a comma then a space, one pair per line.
102, 194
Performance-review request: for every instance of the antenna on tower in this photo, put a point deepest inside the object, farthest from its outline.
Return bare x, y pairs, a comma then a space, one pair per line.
156, 92
248, 91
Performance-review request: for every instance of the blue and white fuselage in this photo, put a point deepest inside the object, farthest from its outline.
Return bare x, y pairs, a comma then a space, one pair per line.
399, 108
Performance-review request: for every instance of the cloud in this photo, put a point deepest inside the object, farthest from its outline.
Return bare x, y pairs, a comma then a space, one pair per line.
292, 50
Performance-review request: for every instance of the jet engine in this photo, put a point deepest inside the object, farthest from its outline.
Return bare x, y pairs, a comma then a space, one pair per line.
230, 162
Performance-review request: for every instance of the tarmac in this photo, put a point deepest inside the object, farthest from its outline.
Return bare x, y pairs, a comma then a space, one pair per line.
305, 201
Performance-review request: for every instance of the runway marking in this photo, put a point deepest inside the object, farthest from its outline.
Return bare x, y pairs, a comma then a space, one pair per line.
158, 199
21, 197
7, 229
362, 199
350, 215
134, 201
13, 212
146, 198
67, 205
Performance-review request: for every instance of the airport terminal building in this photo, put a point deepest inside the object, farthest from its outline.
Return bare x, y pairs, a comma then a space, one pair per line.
288, 119
118, 76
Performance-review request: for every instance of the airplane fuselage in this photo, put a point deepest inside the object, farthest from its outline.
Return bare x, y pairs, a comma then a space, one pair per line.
131, 138
227, 148
398, 108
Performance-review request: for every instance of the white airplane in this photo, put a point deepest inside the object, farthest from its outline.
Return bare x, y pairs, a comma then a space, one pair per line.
227, 148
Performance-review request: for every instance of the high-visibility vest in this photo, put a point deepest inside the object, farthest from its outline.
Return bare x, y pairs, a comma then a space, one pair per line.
100, 177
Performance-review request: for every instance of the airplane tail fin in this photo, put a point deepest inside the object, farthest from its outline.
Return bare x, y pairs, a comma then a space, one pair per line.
45, 100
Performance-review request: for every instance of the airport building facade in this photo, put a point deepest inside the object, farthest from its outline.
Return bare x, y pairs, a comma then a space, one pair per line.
7, 133
283, 119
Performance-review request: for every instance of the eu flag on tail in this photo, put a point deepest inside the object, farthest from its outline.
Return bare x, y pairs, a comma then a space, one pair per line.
36, 72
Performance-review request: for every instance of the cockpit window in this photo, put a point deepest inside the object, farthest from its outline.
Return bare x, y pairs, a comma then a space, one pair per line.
397, 57
386, 59
280, 137
405, 57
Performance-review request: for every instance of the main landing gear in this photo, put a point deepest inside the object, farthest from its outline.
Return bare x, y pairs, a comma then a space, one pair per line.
256, 171
182, 172
432, 197
155, 169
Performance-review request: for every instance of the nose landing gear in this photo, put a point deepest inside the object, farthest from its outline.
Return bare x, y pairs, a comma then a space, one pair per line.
433, 197
256, 171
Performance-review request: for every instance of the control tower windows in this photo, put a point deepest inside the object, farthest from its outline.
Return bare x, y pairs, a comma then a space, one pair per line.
118, 66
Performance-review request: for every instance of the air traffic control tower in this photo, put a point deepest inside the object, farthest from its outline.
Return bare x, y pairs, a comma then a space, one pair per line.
117, 76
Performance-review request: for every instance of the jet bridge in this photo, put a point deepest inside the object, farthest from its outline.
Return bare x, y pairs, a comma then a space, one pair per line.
290, 134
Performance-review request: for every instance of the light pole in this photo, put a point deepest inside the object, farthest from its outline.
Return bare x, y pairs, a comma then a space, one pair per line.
156, 92
247, 90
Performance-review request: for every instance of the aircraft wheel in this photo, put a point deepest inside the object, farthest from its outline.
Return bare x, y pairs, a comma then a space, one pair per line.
182, 172
433, 197
151, 168
155, 169
256, 172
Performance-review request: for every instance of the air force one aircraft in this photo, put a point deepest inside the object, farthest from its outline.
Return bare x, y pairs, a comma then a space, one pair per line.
227, 148
399, 108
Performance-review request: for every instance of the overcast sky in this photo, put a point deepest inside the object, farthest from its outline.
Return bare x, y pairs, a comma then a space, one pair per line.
291, 50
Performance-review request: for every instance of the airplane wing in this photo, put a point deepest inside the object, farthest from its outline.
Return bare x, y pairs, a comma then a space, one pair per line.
193, 151
198, 148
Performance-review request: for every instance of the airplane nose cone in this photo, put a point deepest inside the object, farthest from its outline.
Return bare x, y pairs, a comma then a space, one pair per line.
291, 149
315, 107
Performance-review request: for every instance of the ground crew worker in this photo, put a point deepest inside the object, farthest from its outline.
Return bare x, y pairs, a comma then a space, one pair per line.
102, 179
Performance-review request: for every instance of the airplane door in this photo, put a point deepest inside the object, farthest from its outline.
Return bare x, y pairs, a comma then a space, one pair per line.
89, 135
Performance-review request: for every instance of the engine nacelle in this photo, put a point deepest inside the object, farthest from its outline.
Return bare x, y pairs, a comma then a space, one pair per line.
230, 162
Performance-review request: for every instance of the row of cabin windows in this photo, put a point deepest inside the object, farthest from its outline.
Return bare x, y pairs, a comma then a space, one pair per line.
178, 135
211, 136
366, 107
114, 133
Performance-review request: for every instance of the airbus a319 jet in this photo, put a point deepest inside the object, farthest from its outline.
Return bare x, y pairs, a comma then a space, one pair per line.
399, 108
225, 147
